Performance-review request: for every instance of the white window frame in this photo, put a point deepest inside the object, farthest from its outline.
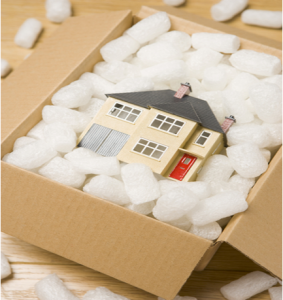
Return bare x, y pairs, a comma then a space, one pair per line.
201, 135
129, 112
164, 121
147, 146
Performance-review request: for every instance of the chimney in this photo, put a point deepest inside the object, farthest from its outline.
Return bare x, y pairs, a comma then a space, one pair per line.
185, 89
229, 121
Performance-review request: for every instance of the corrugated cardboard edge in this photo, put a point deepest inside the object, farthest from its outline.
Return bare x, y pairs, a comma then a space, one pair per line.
191, 23
108, 238
257, 233
52, 66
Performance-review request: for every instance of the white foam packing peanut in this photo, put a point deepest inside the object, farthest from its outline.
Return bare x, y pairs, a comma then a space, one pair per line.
144, 208
246, 133
174, 2
234, 104
230, 71
92, 108
175, 204
166, 71
140, 183
150, 27
58, 10
267, 101
28, 33
182, 223
217, 167
275, 293
76, 94
178, 39
101, 86
158, 52
243, 83
265, 18
107, 188
243, 185
161, 86
214, 79
200, 189
225, 43
209, 231
136, 84
119, 49
266, 153
32, 155
60, 136
102, 293
51, 288
215, 101
5, 266
248, 286
227, 9
115, 71
180, 298
77, 120
37, 132
217, 207
86, 161
276, 79
256, 63
275, 133
247, 160
200, 60
22, 141
62, 171
5, 67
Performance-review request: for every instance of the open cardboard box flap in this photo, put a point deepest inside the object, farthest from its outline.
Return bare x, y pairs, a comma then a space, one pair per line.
72, 50
258, 232
133, 248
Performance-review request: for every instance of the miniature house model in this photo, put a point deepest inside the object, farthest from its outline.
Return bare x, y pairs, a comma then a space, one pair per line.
173, 133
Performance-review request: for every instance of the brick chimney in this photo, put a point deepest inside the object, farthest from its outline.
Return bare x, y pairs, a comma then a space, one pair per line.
229, 121
185, 89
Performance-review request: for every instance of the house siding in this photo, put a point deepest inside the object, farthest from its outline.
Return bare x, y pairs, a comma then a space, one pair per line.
176, 145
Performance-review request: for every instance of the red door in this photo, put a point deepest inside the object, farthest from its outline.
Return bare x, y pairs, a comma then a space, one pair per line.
183, 167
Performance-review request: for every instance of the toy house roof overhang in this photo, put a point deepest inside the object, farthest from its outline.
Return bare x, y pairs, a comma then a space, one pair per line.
188, 107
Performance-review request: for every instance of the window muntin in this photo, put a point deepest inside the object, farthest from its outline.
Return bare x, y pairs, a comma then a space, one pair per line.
124, 112
150, 149
203, 138
167, 124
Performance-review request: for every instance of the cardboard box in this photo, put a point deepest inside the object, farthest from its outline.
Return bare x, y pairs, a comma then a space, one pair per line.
133, 248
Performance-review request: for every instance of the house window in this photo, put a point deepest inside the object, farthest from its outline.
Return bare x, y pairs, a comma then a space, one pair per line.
124, 112
203, 137
150, 149
167, 124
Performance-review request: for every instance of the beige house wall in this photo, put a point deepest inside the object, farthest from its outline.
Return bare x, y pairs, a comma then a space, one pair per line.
177, 145
102, 118
173, 142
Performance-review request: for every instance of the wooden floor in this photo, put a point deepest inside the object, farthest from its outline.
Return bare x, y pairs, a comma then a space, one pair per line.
29, 263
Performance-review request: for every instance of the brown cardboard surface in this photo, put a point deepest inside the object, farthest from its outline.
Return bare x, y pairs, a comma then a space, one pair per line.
133, 248
191, 23
72, 50
257, 233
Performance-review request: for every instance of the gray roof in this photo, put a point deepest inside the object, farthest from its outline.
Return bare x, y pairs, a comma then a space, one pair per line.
188, 107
